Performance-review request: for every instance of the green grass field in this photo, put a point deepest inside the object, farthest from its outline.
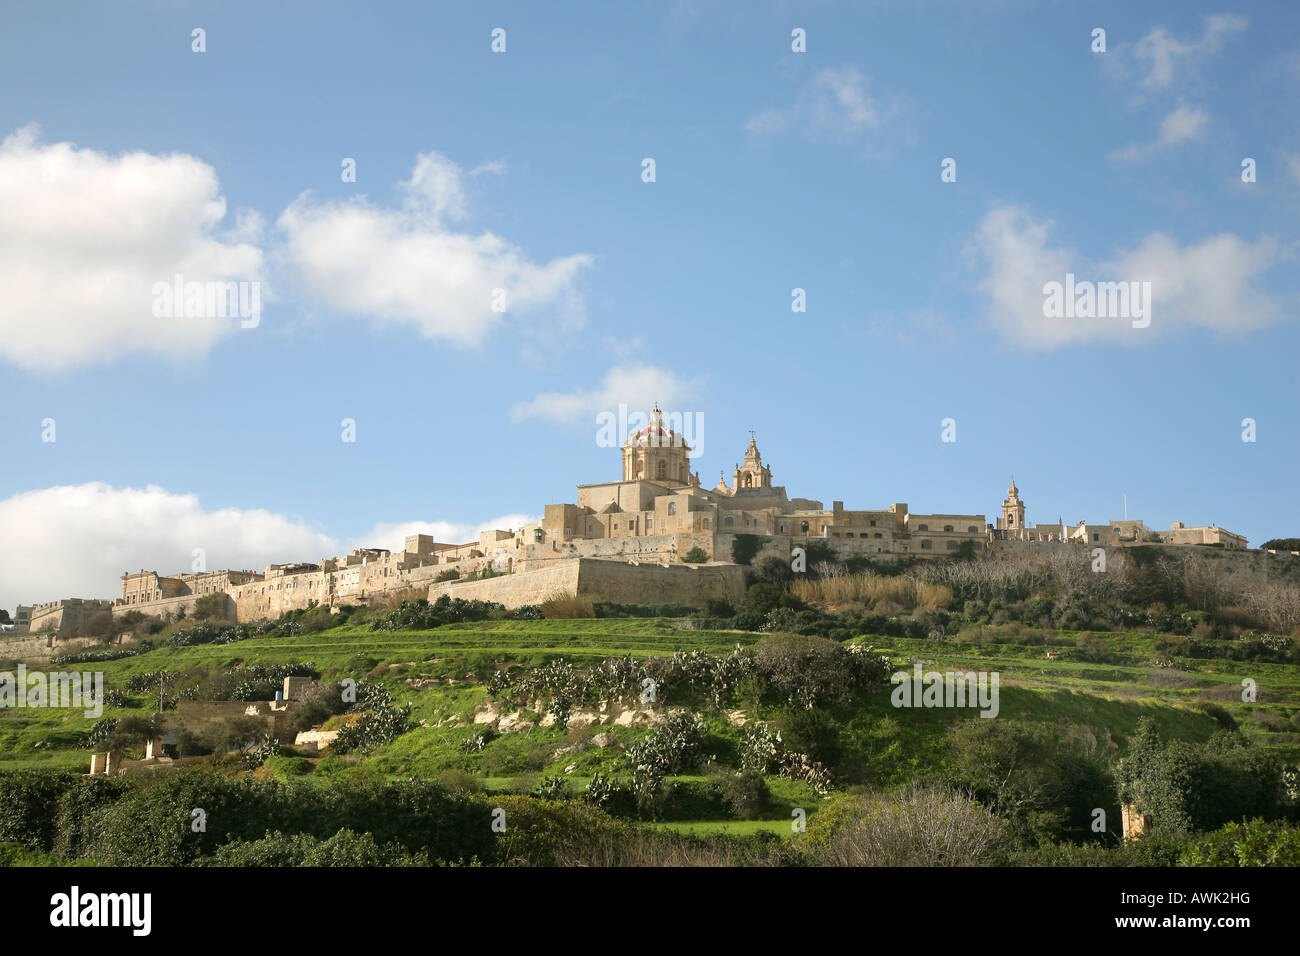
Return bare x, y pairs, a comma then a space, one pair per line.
1096, 702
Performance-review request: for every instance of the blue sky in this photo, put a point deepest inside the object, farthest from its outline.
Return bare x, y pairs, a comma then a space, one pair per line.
129, 157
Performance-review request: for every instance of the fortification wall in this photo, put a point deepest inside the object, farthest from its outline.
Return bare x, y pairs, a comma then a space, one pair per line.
171, 606
598, 579
623, 583
514, 590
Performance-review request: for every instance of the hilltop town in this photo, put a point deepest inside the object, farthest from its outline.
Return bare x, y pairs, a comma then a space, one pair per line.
655, 535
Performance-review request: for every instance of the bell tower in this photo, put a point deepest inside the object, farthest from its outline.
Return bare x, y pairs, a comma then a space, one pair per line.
1013, 513
753, 473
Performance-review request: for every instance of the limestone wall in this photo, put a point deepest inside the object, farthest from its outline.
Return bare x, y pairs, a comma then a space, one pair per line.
514, 590
596, 579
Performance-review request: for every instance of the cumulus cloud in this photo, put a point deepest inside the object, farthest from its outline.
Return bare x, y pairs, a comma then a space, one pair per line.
1184, 124
836, 101
410, 264
637, 386
1208, 284
85, 236
76, 540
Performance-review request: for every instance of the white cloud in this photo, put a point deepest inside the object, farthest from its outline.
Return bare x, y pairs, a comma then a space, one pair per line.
637, 386
85, 235
1203, 285
76, 540
836, 101
408, 265
494, 167
392, 535
1184, 124
1161, 62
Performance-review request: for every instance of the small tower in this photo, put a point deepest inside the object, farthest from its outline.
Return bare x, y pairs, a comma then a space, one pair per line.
753, 473
1013, 513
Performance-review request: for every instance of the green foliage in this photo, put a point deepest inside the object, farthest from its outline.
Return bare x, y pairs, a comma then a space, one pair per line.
420, 615
344, 848
1281, 544
1188, 787
745, 546
806, 671
1256, 843
696, 555
210, 606
1035, 777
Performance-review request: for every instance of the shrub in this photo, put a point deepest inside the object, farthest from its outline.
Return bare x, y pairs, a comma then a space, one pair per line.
918, 826
746, 795
344, 848
562, 605
1255, 843
696, 555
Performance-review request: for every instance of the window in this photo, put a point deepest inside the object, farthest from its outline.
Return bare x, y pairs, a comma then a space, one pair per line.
923, 527
926, 545
1095, 536
973, 530
661, 470
952, 545
803, 526
873, 524
876, 535
784, 527
947, 527
672, 507
729, 521
649, 523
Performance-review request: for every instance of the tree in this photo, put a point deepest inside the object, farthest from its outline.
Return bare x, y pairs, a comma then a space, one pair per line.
1281, 544
210, 607
234, 733
135, 731
696, 555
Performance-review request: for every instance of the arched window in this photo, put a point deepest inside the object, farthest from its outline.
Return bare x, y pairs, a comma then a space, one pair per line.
803, 526
672, 507
947, 527
728, 521
662, 470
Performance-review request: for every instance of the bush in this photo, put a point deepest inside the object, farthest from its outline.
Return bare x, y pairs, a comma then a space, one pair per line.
560, 606
918, 826
696, 555
745, 795
1256, 843
344, 848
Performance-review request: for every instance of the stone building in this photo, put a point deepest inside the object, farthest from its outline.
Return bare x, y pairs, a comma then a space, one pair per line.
1012, 526
655, 513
